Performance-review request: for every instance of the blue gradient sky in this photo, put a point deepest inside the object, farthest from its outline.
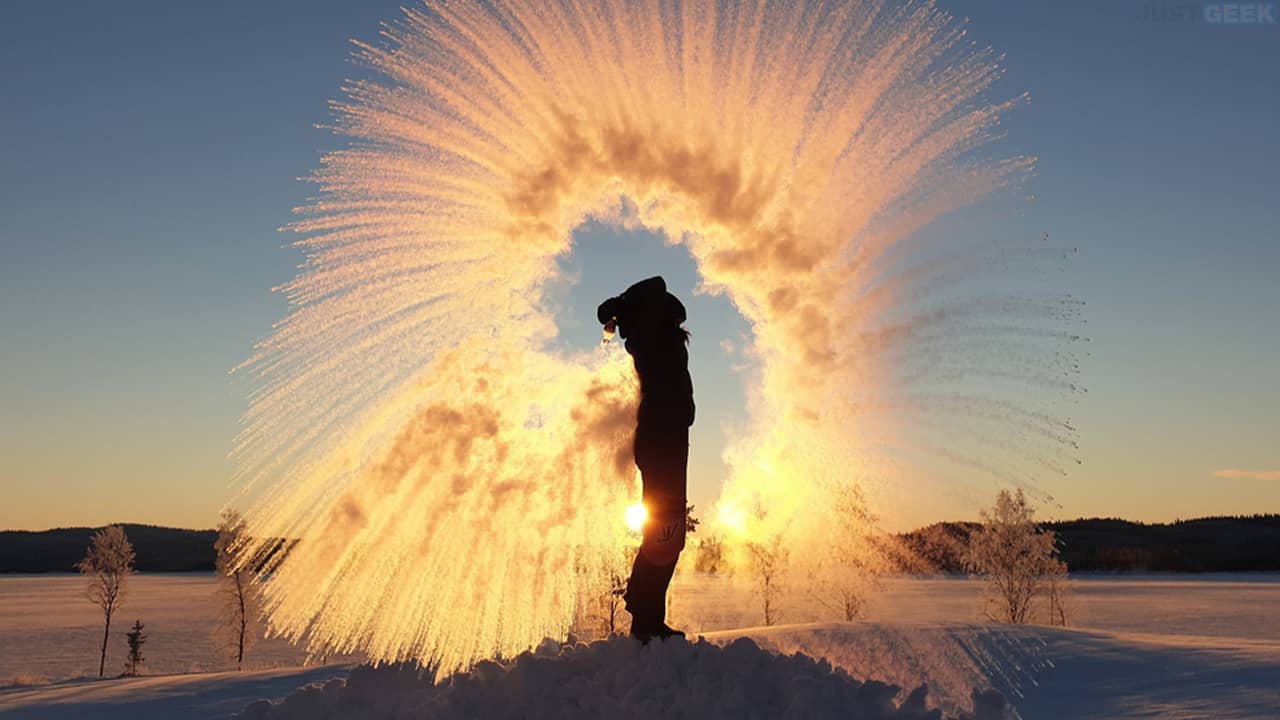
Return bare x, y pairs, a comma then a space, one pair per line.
151, 149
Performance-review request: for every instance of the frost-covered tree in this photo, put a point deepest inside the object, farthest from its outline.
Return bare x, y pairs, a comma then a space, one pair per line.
599, 611
1056, 590
136, 639
843, 574
1017, 558
611, 603
767, 563
237, 595
710, 555
107, 565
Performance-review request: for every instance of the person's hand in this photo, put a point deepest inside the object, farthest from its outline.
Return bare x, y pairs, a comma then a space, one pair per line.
608, 311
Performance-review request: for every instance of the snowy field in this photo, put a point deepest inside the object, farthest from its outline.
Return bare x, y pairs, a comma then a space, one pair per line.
62, 631
1153, 646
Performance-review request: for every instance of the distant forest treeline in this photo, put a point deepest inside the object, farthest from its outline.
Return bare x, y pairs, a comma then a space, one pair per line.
158, 549
1216, 544
1248, 543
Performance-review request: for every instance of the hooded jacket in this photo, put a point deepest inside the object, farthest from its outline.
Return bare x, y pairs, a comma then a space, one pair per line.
649, 319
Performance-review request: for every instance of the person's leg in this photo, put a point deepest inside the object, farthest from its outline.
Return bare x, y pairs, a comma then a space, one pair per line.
662, 458
646, 595
656, 560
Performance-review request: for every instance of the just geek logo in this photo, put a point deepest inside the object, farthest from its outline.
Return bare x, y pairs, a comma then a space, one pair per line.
1212, 13
1239, 13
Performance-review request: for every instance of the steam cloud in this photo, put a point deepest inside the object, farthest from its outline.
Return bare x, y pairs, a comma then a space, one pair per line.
453, 485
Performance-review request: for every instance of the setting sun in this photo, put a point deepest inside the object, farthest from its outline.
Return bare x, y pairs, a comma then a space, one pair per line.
636, 515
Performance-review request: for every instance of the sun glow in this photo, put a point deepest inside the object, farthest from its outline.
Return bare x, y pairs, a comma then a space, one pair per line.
636, 515
733, 519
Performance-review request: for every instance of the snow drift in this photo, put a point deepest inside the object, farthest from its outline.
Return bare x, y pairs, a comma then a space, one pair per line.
617, 678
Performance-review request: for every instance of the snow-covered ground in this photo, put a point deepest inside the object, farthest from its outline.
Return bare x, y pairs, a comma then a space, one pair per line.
1046, 673
1245, 605
1177, 647
192, 696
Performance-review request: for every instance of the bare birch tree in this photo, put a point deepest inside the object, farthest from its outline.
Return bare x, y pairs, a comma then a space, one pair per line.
611, 598
604, 577
841, 577
107, 564
1056, 589
236, 592
710, 557
767, 565
1018, 560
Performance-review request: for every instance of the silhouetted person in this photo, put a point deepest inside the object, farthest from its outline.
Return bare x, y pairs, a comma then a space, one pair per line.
649, 318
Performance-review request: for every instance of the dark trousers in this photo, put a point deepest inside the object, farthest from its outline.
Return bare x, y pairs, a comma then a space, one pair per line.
662, 454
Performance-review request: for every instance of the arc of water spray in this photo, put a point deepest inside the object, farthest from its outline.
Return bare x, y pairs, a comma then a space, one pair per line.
447, 486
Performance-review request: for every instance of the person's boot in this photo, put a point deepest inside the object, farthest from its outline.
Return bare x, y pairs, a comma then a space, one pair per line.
646, 631
665, 631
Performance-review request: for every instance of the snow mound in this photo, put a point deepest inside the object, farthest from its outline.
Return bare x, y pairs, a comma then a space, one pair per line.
617, 678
